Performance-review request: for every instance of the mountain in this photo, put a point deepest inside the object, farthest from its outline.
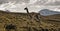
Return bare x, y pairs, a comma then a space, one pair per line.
47, 12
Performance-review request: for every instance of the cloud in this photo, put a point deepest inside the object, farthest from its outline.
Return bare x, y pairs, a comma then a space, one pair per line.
56, 3
33, 5
32, 1
48, 2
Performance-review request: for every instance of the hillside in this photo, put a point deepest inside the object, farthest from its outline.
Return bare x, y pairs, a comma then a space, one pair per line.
25, 23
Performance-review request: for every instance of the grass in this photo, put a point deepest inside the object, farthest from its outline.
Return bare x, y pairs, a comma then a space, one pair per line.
24, 23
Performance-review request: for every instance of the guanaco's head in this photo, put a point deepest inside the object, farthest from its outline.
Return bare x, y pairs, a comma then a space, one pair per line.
26, 8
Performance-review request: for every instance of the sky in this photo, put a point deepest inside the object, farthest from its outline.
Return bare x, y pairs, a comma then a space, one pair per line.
33, 5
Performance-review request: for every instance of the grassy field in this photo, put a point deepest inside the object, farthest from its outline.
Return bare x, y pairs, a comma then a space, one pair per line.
24, 22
